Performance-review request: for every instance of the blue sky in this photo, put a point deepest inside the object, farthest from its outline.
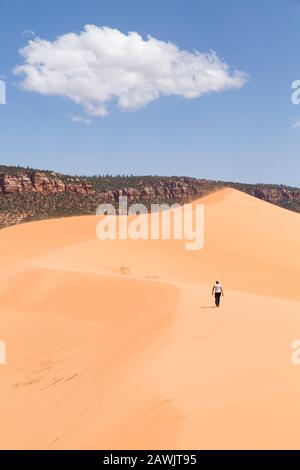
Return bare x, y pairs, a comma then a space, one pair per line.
242, 134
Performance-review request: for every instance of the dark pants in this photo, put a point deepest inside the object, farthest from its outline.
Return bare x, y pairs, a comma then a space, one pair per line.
217, 298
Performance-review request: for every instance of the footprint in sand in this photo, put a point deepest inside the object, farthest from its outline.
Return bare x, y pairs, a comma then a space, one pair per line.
125, 270
152, 278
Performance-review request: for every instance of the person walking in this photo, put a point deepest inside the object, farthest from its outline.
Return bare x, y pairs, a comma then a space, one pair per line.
218, 291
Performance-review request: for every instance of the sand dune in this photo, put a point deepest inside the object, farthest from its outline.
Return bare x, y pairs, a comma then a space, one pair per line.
99, 359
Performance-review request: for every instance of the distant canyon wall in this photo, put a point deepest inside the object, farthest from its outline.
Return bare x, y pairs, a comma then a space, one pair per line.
38, 182
27, 195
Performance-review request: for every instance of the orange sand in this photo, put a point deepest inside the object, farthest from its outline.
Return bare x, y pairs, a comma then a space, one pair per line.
97, 359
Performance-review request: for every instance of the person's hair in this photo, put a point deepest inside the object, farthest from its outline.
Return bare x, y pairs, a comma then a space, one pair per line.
217, 282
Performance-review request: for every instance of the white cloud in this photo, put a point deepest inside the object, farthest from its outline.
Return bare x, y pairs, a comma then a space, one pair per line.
29, 32
101, 65
296, 124
80, 119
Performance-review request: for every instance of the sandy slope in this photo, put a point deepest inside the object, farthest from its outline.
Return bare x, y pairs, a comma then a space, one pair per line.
97, 359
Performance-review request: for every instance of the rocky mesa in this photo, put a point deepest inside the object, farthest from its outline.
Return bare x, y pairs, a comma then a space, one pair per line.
28, 194
39, 182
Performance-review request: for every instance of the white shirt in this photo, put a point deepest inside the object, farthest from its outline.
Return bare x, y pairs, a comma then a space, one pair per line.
218, 288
